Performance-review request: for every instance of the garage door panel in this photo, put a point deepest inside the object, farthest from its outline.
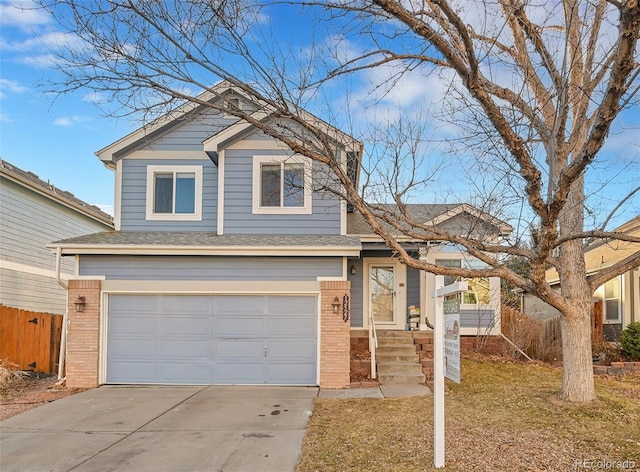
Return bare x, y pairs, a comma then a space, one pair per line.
134, 347
291, 305
186, 326
139, 303
185, 372
134, 324
134, 371
283, 349
198, 304
239, 326
289, 373
239, 372
212, 339
238, 305
293, 326
238, 348
176, 348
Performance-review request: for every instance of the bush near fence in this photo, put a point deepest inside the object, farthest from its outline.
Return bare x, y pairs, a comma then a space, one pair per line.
539, 339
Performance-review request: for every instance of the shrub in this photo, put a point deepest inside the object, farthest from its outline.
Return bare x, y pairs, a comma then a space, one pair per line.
630, 340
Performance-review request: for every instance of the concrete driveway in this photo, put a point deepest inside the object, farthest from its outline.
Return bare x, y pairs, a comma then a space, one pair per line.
216, 428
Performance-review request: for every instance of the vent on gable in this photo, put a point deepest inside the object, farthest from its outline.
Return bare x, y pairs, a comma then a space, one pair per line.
232, 103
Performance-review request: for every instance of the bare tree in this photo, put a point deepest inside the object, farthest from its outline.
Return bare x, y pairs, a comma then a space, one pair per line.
534, 88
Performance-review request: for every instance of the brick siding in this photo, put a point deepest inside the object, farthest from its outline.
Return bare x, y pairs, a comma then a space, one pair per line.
334, 336
83, 335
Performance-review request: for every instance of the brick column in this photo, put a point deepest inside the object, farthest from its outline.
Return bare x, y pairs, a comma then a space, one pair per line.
83, 335
334, 337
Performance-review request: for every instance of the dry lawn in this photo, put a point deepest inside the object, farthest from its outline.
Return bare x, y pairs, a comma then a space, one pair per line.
504, 416
21, 391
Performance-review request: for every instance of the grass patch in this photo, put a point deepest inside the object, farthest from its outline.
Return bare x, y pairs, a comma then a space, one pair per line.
503, 416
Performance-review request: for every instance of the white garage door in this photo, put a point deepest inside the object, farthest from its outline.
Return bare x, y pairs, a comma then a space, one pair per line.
212, 339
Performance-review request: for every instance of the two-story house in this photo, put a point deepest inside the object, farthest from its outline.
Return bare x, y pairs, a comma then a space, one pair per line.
228, 266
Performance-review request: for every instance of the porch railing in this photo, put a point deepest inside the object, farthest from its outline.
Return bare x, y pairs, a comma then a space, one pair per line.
373, 344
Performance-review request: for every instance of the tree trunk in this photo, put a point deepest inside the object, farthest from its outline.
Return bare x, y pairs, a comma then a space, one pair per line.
577, 373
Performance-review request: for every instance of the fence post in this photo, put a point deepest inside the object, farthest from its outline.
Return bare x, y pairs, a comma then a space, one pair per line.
597, 326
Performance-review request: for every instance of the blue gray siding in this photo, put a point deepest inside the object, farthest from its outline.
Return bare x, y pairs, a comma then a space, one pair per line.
481, 319
134, 196
238, 217
190, 134
30, 221
31, 292
210, 267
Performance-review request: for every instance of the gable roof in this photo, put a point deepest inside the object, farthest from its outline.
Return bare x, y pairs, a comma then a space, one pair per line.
110, 154
32, 182
435, 214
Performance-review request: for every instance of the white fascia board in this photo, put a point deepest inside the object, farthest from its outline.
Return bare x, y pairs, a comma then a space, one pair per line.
374, 238
337, 251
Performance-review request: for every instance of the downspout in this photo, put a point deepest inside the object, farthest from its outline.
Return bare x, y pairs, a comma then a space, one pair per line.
65, 317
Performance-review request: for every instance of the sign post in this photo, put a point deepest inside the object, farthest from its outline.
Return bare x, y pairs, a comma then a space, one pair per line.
439, 364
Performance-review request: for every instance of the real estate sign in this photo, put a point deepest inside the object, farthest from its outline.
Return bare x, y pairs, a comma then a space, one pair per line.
451, 333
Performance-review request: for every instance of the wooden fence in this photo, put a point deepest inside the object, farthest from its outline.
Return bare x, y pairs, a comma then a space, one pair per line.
541, 339
30, 340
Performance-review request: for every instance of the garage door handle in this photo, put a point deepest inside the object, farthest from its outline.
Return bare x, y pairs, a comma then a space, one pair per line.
265, 350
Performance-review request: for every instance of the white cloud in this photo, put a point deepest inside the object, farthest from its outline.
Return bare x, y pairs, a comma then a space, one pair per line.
95, 98
10, 86
5, 118
22, 14
63, 121
40, 60
70, 120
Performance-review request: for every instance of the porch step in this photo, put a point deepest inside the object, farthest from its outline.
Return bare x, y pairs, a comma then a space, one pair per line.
397, 359
392, 368
387, 379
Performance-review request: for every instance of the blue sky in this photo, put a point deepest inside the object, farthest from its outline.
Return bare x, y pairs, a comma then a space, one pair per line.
56, 136
53, 137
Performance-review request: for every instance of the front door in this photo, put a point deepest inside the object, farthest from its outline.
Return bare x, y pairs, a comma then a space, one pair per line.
382, 293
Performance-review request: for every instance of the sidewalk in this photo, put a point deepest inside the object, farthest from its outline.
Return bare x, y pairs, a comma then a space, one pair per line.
382, 391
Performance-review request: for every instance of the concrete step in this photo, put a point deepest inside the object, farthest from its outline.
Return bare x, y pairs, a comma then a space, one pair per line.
398, 368
394, 341
401, 378
394, 334
396, 349
396, 358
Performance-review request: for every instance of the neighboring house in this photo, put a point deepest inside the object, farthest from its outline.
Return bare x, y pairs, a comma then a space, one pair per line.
32, 214
620, 296
226, 266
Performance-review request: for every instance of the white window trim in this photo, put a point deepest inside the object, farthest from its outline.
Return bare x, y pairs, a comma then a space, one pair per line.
306, 209
151, 171
600, 293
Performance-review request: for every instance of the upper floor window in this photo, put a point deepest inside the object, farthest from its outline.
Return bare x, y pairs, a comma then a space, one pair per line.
174, 193
281, 185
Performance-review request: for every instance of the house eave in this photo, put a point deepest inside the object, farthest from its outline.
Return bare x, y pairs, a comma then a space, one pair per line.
298, 251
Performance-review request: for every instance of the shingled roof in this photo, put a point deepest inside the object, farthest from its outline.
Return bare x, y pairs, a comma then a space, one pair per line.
155, 242
35, 183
